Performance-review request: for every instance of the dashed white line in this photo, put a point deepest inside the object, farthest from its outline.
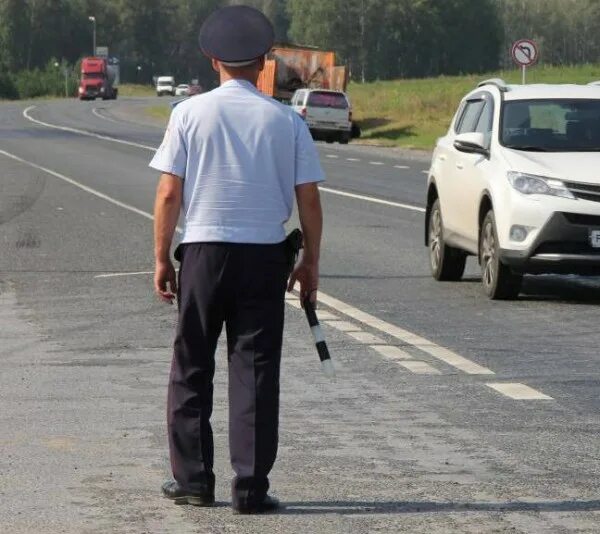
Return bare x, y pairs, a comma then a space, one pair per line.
342, 326
419, 368
425, 172
332, 156
391, 352
372, 199
518, 391
401, 167
116, 275
429, 347
352, 159
376, 163
367, 338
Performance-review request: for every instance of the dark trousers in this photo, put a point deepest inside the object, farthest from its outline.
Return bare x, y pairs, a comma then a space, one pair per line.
242, 286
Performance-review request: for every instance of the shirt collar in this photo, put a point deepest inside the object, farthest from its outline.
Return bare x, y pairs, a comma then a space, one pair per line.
238, 83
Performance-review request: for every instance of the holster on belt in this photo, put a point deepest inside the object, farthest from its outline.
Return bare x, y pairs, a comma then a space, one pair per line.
293, 245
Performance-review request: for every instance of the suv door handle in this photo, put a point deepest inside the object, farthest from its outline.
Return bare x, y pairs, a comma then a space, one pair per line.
460, 166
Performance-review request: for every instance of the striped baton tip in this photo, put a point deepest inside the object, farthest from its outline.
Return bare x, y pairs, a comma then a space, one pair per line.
320, 343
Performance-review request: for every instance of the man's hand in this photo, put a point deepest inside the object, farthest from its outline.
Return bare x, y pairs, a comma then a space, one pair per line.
307, 273
165, 281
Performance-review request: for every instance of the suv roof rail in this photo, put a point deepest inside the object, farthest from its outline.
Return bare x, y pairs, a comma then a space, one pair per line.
497, 82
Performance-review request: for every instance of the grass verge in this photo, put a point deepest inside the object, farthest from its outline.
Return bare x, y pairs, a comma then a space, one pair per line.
414, 113
130, 89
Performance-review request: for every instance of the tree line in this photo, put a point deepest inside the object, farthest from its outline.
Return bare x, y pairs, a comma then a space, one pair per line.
377, 39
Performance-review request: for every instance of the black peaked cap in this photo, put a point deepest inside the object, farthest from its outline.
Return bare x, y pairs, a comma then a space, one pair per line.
236, 33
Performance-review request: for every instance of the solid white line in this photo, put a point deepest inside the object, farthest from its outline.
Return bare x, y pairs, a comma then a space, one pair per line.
116, 275
83, 132
98, 114
376, 163
79, 185
429, 347
26, 114
401, 167
518, 391
371, 199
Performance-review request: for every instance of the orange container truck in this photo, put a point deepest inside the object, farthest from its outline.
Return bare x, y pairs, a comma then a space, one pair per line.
294, 67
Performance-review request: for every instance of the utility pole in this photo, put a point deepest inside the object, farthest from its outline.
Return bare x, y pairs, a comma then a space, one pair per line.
93, 21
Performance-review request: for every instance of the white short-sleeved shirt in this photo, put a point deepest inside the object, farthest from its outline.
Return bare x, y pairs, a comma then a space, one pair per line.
240, 154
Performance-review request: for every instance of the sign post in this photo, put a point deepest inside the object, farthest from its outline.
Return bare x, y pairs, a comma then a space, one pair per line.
525, 54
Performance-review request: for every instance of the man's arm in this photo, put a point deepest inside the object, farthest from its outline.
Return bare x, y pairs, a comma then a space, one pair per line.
166, 213
311, 220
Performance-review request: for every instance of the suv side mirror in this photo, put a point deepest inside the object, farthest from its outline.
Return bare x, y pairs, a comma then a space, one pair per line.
471, 143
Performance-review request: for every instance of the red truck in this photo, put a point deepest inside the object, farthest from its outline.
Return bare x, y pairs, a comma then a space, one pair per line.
97, 79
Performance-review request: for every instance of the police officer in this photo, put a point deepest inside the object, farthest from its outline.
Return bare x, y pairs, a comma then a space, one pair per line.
231, 161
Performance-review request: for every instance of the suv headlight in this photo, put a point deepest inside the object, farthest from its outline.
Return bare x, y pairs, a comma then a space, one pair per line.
530, 184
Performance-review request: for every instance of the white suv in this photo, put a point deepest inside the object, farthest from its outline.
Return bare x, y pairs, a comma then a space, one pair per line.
327, 113
516, 182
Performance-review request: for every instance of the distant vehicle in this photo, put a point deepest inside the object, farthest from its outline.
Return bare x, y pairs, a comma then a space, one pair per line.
195, 89
165, 85
182, 89
97, 79
289, 68
327, 113
516, 182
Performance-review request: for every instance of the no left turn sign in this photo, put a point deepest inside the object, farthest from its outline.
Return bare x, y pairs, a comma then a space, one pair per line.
525, 53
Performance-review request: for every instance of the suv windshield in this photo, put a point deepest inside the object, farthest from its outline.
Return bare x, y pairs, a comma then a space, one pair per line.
164, 83
561, 125
323, 99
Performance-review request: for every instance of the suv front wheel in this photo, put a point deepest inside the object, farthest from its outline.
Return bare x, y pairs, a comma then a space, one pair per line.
499, 282
447, 263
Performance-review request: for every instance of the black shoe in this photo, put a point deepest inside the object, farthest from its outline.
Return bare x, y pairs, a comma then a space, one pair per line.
172, 490
267, 505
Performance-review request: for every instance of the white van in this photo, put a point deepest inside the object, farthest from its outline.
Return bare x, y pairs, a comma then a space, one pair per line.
165, 85
327, 113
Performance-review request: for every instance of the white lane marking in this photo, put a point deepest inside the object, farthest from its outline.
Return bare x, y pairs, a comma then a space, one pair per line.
367, 338
96, 112
116, 275
376, 163
518, 391
404, 335
372, 199
391, 352
326, 316
26, 114
451, 358
401, 167
343, 326
352, 159
153, 149
332, 156
79, 185
425, 172
419, 368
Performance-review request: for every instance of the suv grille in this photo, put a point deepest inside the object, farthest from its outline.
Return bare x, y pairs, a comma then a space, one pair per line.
584, 191
582, 219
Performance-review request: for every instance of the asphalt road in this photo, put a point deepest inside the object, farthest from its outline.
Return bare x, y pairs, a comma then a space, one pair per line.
424, 430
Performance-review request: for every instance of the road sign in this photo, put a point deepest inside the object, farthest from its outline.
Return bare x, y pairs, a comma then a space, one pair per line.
102, 51
525, 53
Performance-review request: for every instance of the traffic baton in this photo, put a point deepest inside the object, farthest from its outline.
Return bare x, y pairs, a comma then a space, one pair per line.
317, 333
